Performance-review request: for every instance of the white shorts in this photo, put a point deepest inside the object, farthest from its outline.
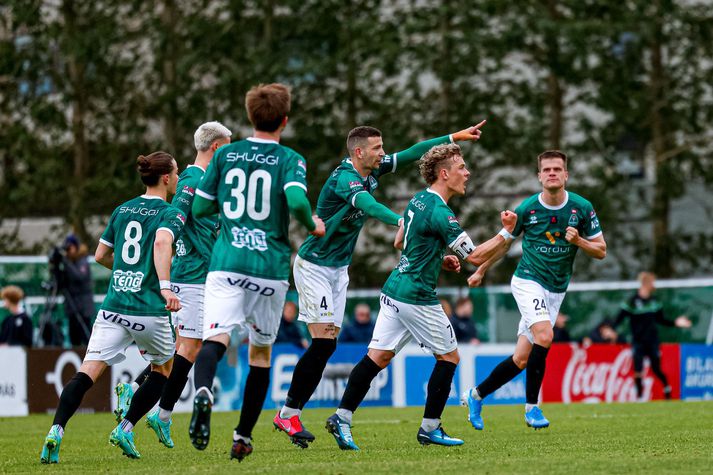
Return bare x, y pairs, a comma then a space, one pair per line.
398, 323
235, 300
536, 304
189, 319
322, 292
113, 333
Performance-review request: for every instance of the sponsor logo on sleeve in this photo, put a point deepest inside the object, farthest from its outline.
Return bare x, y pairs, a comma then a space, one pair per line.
181, 218
188, 190
356, 184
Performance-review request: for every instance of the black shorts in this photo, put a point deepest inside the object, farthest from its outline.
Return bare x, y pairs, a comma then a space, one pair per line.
641, 350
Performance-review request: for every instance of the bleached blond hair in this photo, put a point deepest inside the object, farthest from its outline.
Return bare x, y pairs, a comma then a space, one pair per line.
208, 133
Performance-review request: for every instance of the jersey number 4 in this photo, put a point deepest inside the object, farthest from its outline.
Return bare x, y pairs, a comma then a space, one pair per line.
236, 207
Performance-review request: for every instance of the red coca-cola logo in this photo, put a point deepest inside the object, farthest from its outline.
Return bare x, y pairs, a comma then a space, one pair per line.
589, 379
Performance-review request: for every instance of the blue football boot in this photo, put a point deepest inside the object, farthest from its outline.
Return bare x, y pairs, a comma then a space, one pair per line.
535, 419
125, 441
162, 429
342, 432
124, 393
50, 449
475, 406
437, 437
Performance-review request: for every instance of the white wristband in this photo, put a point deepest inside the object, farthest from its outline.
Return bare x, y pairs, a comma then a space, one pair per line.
506, 234
165, 284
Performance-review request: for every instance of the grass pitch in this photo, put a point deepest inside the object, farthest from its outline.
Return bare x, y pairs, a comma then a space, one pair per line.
660, 437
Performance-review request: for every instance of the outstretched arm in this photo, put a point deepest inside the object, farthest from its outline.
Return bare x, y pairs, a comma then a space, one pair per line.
476, 278
367, 203
415, 152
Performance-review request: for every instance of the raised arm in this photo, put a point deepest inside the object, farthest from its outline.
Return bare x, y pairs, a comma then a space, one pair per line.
497, 243
416, 151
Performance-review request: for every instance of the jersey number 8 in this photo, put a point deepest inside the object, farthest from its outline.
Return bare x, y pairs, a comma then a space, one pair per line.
131, 250
237, 179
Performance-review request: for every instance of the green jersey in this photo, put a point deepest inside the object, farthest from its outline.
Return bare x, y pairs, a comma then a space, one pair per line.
248, 179
193, 248
430, 227
547, 257
335, 206
134, 288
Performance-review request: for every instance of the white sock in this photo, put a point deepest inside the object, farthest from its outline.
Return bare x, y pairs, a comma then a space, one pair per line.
237, 437
206, 392
287, 412
126, 426
134, 386
164, 415
345, 415
429, 425
530, 406
60, 429
474, 394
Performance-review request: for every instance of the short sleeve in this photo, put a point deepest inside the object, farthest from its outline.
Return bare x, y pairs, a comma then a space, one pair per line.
296, 173
107, 237
590, 225
445, 224
208, 185
349, 185
172, 221
185, 192
520, 212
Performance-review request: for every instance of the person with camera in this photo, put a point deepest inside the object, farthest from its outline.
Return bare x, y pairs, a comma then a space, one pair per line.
70, 269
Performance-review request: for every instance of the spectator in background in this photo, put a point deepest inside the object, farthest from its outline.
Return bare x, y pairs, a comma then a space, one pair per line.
603, 333
16, 328
462, 321
560, 332
289, 331
74, 280
644, 311
359, 330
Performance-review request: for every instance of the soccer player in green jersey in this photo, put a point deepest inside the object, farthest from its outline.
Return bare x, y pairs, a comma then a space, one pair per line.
188, 273
410, 309
321, 268
555, 224
137, 246
256, 184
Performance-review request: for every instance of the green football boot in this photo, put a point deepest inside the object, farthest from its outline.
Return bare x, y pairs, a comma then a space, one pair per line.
162, 429
50, 450
125, 441
124, 393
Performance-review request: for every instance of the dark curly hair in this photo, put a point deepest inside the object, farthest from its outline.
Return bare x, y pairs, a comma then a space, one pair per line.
152, 166
436, 159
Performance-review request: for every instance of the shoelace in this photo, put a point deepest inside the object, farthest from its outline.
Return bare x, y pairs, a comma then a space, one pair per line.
346, 431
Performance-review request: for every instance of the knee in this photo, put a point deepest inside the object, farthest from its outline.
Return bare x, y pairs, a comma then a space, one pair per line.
189, 348
164, 369
452, 357
381, 358
260, 356
520, 360
543, 336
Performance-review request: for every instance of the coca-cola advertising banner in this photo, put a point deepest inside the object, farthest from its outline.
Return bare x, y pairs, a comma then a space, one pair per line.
605, 373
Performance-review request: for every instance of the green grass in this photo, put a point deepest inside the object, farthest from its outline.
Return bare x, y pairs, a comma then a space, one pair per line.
661, 437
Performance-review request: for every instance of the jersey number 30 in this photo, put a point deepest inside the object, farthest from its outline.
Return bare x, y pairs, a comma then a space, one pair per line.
235, 208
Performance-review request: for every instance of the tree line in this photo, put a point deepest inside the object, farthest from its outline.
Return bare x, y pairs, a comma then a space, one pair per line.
622, 86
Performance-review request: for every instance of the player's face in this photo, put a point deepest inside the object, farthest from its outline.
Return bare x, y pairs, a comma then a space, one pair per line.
458, 175
552, 174
372, 153
172, 179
